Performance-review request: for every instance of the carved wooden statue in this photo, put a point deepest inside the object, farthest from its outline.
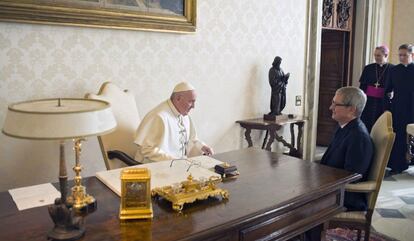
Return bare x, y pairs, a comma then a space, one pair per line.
278, 80
68, 226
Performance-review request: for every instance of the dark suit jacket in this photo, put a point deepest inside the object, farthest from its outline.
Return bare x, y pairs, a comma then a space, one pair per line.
351, 149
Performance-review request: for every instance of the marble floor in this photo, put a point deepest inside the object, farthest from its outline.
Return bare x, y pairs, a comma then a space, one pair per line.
394, 214
319, 151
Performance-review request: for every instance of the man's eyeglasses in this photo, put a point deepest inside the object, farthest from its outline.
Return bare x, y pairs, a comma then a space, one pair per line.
338, 104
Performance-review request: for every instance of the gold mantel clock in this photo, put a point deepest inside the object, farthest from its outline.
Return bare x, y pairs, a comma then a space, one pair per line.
135, 194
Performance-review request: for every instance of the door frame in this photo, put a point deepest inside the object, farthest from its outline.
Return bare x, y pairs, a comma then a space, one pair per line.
312, 63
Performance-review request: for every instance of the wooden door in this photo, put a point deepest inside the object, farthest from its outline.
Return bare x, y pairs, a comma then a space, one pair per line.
333, 75
336, 61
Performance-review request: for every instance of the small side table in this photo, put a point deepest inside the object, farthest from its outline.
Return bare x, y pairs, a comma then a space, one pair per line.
271, 128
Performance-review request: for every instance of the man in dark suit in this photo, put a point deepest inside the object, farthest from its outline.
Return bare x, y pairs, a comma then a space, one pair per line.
351, 148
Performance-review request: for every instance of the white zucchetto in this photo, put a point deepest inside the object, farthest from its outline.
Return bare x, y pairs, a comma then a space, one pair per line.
183, 86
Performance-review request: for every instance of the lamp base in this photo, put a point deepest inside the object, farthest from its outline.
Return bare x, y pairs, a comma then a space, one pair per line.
67, 225
80, 201
87, 208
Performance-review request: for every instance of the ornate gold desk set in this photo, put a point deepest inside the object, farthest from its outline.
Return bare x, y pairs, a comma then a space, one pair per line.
190, 190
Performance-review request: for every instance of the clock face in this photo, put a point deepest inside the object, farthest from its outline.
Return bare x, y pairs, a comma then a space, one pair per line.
135, 195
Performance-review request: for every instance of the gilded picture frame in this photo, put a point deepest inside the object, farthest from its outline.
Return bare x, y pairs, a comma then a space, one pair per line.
150, 15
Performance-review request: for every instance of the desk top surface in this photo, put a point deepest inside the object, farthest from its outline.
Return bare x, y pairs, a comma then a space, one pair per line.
267, 181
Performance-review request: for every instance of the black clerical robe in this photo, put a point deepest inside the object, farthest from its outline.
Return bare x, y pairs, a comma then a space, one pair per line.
372, 82
401, 82
351, 149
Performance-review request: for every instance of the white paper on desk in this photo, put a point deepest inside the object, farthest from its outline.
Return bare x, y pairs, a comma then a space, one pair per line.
162, 174
34, 196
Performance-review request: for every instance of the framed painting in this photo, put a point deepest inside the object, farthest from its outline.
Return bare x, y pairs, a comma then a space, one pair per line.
151, 15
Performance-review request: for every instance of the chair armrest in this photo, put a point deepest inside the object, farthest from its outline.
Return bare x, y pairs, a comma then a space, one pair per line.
361, 187
122, 156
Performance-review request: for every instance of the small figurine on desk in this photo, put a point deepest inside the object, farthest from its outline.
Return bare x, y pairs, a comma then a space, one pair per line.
68, 226
278, 80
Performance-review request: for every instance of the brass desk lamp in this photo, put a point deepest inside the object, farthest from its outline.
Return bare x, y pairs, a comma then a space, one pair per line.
62, 119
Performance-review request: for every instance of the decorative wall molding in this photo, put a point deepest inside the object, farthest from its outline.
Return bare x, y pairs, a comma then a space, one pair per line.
343, 9
327, 13
337, 14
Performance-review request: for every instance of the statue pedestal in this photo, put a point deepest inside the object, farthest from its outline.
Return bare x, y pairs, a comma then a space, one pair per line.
275, 117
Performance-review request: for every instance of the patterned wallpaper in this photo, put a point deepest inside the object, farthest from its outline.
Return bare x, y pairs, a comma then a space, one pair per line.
402, 26
227, 60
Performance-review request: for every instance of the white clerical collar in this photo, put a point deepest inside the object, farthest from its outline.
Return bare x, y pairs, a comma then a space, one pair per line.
406, 65
173, 109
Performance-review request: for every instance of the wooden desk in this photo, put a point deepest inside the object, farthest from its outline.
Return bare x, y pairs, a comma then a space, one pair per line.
271, 128
276, 197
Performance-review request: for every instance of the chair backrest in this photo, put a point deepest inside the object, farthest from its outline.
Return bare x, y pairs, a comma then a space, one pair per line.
126, 114
383, 137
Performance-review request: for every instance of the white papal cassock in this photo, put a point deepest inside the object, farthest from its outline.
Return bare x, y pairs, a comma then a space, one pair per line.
165, 134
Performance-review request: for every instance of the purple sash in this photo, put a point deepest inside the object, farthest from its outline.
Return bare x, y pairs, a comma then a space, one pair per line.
372, 91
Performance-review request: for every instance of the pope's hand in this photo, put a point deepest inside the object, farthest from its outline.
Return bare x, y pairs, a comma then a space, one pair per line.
207, 150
